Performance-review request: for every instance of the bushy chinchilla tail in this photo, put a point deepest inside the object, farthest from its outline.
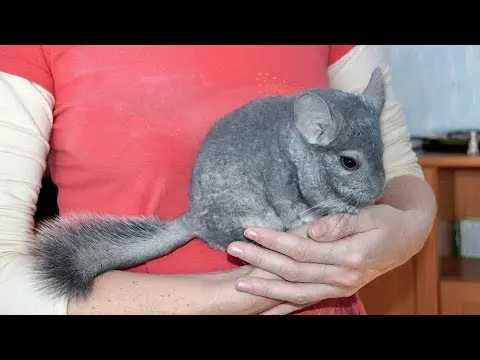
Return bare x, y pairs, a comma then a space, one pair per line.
69, 252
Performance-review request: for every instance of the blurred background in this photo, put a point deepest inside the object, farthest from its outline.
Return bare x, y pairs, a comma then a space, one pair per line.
438, 85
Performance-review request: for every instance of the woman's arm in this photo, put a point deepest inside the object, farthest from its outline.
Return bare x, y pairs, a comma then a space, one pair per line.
23, 150
119, 292
25, 126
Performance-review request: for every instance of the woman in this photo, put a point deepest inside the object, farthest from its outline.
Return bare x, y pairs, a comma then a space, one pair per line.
121, 126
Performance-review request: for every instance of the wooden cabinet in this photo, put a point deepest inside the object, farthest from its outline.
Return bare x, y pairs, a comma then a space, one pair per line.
459, 286
434, 282
460, 298
392, 293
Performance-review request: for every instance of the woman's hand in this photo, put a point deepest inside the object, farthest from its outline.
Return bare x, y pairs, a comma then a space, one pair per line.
334, 257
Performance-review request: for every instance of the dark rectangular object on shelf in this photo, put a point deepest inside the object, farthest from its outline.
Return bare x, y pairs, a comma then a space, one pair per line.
446, 146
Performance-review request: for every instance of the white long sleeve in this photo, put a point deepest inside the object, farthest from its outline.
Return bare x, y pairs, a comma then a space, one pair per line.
25, 126
352, 73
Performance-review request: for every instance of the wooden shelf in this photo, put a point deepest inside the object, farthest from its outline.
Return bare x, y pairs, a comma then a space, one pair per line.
459, 286
449, 160
455, 269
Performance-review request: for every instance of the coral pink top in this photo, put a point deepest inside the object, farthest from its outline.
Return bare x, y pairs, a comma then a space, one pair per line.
129, 120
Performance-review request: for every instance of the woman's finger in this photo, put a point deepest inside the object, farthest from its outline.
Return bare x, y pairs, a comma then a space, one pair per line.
284, 309
295, 293
349, 252
294, 271
296, 247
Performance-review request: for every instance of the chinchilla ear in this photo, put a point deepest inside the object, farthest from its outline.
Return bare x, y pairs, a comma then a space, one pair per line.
374, 92
314, 120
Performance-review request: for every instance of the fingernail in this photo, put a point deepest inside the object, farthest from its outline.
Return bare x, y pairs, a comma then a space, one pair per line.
252, 235
235, 251
243, 286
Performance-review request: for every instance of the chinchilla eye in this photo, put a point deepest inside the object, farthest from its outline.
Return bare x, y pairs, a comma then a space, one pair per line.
348, 162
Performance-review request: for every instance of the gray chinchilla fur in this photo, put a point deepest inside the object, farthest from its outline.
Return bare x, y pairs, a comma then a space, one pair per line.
277, 162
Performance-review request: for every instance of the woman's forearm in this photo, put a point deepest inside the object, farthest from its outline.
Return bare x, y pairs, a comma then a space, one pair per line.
410, 193
122, 292
413, 194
